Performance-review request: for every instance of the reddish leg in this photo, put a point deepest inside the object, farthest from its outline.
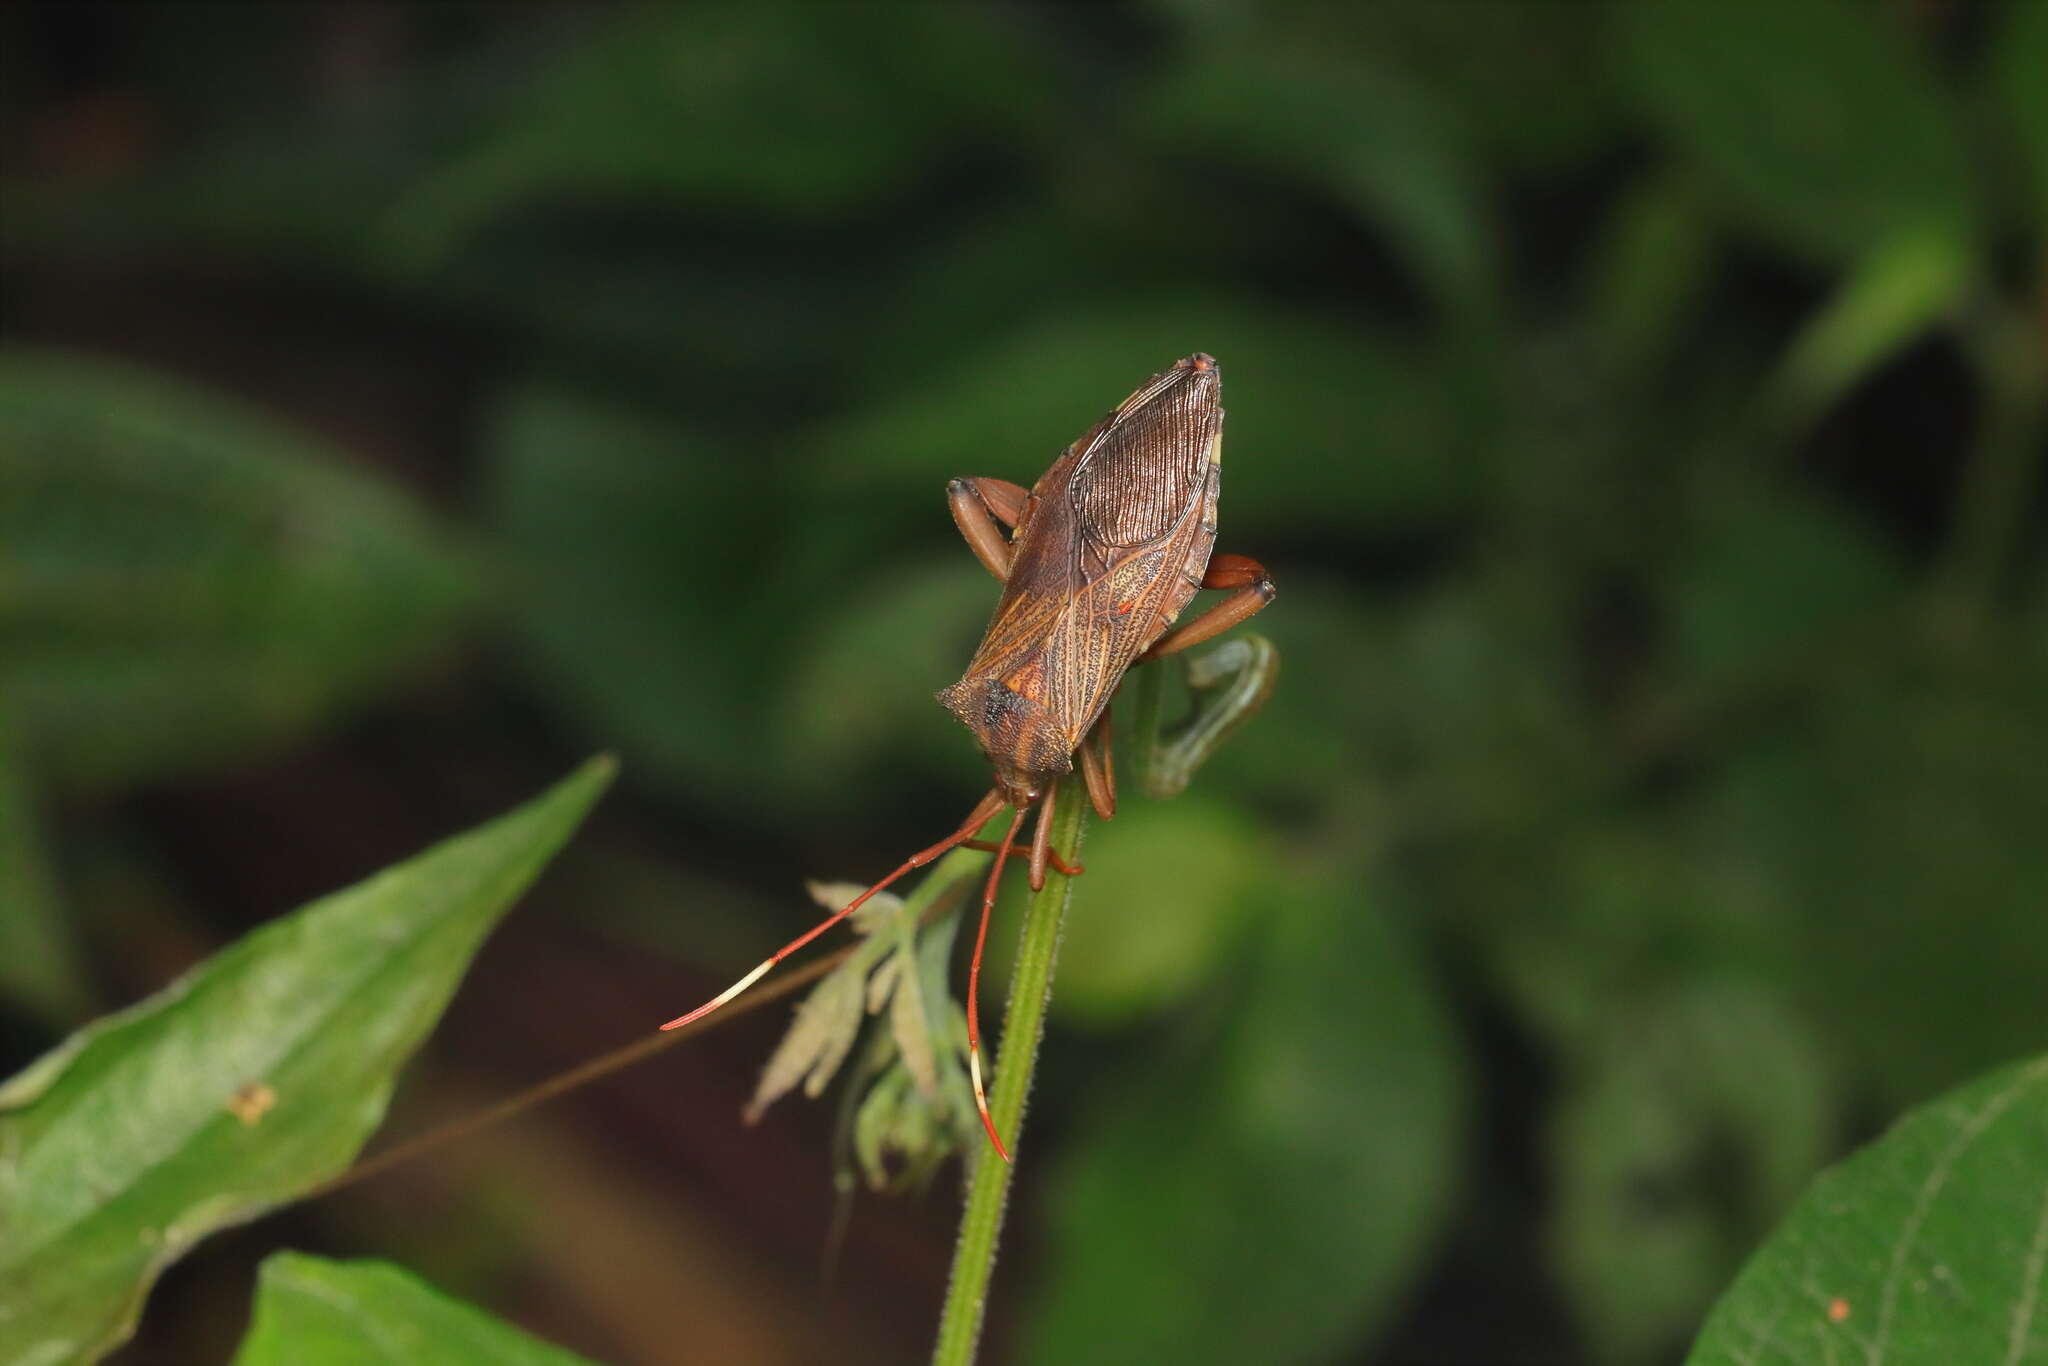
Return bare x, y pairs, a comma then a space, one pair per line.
1059, 865
1251, 590
988, 905
981, 508
978, 506
1098, 769
1041, 838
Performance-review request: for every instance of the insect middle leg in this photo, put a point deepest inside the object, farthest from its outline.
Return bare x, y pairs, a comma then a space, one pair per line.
1060, 865
1251, 589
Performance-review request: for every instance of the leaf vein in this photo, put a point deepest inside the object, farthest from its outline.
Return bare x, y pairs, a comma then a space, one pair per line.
1923, 1200
2030, 1287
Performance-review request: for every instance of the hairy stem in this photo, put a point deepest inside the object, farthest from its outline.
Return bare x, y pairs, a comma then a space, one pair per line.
981, 1224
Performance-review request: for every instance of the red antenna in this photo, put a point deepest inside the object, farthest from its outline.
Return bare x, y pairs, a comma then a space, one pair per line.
983, 809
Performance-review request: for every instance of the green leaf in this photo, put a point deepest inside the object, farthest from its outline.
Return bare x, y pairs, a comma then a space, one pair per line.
898, 967
244, 1083
827, 1022
314, 1312
910, 1018
187, 579
905, 1125
1928, 1248
1296, 1168
1811, 114
1895, 292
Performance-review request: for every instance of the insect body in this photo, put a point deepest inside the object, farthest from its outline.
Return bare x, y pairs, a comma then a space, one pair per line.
1108, 549
1105, 552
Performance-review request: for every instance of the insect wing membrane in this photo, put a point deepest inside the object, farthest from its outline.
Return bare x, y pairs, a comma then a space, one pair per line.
1149, 464
1143, 499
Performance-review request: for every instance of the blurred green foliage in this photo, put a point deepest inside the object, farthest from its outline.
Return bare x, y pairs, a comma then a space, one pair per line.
1640, 407
186, 579
314, 1312
1321, 1107
40, 965
241, 1085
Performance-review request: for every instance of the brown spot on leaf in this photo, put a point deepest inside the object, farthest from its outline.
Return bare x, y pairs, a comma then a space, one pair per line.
251, 1101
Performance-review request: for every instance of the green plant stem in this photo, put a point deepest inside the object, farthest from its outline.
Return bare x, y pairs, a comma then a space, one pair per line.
981, 1223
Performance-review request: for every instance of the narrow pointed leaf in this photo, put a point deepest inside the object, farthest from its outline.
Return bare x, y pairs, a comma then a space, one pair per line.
907, 1018
826, 1024
1893, 295
883, 983
241, 1085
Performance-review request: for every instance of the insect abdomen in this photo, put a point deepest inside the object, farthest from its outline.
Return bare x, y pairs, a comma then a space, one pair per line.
1013, 728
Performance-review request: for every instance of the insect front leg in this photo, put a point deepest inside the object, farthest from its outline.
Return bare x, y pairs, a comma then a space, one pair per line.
1098, 768
978, 505
1041, 837
1251, 589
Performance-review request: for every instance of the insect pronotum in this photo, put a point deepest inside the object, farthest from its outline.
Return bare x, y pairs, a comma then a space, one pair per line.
1104, 553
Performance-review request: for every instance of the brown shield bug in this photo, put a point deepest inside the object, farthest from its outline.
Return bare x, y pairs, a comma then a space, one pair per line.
1103, 554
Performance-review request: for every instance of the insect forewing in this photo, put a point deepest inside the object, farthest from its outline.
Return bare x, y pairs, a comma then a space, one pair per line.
1111, 550
1148, 463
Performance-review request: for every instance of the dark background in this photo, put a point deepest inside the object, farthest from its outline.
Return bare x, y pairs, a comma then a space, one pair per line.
1640, 408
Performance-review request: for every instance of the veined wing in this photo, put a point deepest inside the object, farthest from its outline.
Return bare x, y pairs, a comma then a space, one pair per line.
1112, 549
1142, 497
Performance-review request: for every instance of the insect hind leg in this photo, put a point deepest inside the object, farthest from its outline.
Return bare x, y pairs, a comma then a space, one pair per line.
1251, 589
